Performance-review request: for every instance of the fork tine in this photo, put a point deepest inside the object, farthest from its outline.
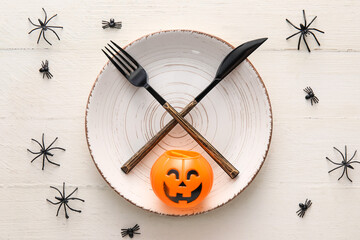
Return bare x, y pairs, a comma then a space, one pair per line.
127, 55
124, 59
115, 64
119, 61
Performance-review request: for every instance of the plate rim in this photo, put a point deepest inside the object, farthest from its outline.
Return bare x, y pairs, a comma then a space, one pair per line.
268, 144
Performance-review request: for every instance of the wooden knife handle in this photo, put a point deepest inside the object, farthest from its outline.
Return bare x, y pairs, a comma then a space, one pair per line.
139, 155
219, 159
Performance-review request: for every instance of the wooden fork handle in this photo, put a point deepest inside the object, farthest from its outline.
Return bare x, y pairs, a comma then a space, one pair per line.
139, 155
219, 159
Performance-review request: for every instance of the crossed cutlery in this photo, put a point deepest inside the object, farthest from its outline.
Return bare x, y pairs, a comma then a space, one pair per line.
137, 76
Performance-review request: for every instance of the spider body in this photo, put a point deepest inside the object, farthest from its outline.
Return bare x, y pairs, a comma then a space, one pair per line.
130, 231
344, 163
45, 69
45, 151
63, 200
311, 95
111, 24
304, 31
44, 27
303, 208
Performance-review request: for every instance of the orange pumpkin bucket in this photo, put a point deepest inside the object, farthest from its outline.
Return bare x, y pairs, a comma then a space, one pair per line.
181, 178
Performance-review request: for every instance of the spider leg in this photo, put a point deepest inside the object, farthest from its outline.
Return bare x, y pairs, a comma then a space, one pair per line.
292, 35
54, 32
64, 189
48, 75
105, 26
347, 175
315, 38
311, 22
45, 16
56, 147
315, 29
42, 30
72, 193
299, 41
34, 30
43, 142
341, 152
293, 24
52, 202
37, 143
345, 153
354, 162
45, 38
50, 19
51, 161
72, 209
76, 199
51, 144
66, 215
311, 100
36, 157
333, 162
57, 213
54, 27
316, 100
36, 25
43, 162
306, 43
34, 152
62, 196
298, 211
334, 169
353, 156
342, 174
304, 17
135, 228
307, 90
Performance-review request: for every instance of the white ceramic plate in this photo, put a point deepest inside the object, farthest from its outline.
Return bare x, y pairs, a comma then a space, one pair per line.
235, 116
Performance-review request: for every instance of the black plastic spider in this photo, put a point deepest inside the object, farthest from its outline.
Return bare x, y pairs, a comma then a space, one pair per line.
45, 151
45, 69
111, 24
304, 30
311, 95
63, 200
303, 207
345, 163
43, 26
130, 231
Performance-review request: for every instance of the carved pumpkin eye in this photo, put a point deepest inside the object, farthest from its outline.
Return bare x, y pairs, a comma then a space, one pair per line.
191, 172
173, 171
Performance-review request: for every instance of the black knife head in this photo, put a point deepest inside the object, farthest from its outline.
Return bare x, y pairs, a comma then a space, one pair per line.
236, 56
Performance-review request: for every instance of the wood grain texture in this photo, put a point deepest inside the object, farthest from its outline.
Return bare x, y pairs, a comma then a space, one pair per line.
303, 136
211, 150
141, 153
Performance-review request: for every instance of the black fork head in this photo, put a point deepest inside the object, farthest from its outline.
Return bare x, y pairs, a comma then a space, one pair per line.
127, 65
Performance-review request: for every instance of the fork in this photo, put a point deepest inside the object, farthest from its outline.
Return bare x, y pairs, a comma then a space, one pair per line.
137, 76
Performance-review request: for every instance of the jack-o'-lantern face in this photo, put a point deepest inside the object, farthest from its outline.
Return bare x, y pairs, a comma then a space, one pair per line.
181, 178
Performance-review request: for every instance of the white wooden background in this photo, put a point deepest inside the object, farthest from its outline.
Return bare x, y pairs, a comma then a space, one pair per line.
303, 135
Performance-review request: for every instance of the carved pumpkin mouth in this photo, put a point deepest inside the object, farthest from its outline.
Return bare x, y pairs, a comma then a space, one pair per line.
179, 196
